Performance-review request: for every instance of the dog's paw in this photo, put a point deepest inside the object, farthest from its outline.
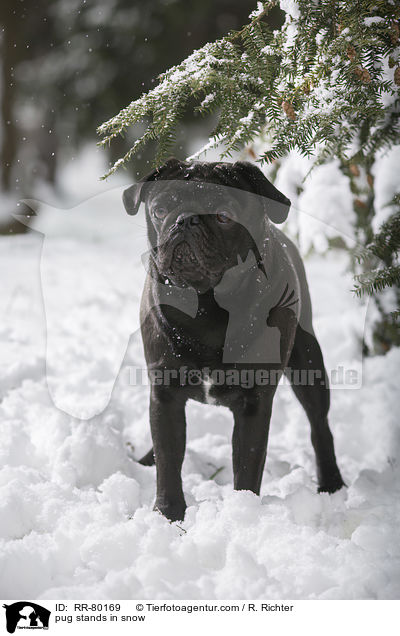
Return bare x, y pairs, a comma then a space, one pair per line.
332, 485
173, 511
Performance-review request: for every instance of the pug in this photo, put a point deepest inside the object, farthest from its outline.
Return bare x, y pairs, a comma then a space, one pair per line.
225, 299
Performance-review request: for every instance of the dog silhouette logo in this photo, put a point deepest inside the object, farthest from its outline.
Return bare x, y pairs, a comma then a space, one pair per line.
26, 615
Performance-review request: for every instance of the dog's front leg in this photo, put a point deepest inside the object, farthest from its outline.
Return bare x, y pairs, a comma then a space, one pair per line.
249, 441
168, 430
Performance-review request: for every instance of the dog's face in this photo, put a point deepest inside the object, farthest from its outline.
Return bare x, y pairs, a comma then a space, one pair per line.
199, 218
195, 230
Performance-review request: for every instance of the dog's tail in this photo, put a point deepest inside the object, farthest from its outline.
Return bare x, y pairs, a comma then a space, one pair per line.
148, 459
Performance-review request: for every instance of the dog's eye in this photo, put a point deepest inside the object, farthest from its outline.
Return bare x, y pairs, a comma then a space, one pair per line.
160, 213
223, 218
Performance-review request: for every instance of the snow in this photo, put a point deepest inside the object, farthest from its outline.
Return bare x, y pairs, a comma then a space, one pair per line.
291, 7
76, 510
321, 205
386, 184
373, 20
257, 12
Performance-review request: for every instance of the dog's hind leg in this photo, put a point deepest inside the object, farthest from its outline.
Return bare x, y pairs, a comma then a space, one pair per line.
309, 381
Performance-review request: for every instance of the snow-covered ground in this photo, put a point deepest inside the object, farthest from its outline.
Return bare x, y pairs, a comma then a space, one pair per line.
76, 510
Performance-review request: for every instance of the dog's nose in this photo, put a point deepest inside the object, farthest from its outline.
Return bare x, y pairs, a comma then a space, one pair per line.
184, 219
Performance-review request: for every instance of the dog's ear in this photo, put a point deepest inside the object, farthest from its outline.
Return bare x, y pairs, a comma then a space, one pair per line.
133, 196
276, 204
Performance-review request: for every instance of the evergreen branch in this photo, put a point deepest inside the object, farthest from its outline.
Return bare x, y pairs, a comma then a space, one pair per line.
314, 85
376, 281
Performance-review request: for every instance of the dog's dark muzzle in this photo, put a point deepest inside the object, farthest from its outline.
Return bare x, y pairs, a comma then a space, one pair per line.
183, 255
180, 251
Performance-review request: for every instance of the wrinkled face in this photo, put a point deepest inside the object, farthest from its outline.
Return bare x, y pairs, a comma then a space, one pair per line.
197, 231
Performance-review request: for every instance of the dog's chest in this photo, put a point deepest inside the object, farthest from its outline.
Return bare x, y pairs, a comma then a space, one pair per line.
207, 386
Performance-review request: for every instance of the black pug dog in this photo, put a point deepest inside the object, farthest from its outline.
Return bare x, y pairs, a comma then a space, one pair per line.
211, 237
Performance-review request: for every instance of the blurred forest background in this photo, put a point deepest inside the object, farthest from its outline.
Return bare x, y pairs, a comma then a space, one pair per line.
68, 65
